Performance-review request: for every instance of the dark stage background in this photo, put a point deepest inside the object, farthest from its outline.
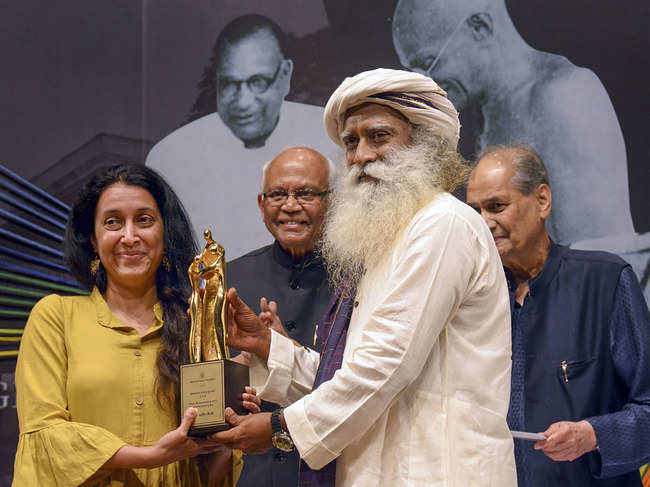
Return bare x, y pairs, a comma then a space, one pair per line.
87, 84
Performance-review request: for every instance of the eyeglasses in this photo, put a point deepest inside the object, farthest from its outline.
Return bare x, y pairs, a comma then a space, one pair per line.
444, 47
279, 197
258, 83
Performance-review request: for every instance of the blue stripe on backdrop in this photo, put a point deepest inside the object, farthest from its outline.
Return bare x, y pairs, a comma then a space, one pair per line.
26, 184
30, 243
32, 258
32, 199
31, 210
41, 275
32, 226
18, 204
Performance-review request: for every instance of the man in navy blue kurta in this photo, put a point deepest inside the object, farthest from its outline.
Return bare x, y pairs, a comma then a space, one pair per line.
580, 337
290, 272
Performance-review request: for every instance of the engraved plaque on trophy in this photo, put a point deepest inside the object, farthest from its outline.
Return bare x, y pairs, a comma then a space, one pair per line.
210, 382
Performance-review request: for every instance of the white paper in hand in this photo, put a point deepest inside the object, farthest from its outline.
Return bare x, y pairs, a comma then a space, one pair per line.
524, 435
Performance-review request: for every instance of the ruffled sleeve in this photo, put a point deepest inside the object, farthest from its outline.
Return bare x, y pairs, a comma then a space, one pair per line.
52, 450
63, 454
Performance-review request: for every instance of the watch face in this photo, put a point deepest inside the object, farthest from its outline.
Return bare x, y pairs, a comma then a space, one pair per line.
282, 441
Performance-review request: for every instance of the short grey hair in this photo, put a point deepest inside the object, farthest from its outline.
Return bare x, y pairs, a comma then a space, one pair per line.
332, 171
528, 168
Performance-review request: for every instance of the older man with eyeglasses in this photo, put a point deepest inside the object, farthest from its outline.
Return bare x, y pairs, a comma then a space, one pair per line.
293, 201
214, 162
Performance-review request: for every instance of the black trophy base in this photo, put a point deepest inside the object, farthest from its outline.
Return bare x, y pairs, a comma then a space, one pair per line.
211, 387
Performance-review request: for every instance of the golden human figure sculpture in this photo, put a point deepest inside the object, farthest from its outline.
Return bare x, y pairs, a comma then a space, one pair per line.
207, 339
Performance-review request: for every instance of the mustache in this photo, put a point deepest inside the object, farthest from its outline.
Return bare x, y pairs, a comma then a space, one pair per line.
381, 169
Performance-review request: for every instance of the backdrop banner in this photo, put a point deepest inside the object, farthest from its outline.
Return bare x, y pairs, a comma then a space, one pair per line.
206, 92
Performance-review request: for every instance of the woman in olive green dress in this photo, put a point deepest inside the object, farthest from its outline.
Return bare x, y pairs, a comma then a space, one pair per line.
97, 376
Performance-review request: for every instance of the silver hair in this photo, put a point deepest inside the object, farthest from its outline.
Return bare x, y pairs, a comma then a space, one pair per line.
529, 171
331, 172
451, 169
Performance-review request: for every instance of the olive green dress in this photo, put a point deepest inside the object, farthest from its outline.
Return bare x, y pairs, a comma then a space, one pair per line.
85, 388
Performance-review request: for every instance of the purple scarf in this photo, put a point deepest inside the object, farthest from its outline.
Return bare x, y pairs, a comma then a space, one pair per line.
331, 331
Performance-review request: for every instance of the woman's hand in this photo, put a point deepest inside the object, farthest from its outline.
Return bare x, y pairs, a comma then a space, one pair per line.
176, 445
173, 446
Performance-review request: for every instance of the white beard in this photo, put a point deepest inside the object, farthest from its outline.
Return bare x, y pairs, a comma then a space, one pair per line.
365, 219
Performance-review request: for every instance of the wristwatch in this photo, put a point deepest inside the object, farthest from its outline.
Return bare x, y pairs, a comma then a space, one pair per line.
280, 439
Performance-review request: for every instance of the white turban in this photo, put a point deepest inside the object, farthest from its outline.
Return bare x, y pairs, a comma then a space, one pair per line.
415, 96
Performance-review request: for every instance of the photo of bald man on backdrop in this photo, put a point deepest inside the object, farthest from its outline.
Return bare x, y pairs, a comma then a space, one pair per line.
563, 111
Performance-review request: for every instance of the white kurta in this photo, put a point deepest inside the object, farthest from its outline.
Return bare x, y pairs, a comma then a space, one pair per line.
422, 395
218, 179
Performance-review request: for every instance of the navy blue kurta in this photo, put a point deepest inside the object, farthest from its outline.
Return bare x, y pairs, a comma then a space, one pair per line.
301, 290
581, 350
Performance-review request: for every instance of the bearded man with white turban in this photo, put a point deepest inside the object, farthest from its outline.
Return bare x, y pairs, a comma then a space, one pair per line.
412, 384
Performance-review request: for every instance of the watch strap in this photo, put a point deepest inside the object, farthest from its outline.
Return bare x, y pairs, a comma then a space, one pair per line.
276, 423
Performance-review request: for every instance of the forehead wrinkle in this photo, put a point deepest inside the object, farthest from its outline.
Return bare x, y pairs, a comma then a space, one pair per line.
116, 211
252, 54
381, 126
291, 179
491, 199
345, 133
374, 126
265, 39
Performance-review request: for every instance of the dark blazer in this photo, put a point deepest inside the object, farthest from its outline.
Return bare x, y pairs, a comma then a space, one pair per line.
586, 355
301, 291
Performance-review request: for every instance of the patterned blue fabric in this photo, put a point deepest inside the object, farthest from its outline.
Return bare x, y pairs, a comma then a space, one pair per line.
581, 350
516, 411
624, 436
331, 332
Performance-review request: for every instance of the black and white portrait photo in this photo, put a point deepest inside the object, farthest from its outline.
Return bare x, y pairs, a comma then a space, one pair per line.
541, 99
214, 162
207, 92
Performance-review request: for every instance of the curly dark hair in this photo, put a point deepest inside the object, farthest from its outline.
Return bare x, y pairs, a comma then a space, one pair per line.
172, 285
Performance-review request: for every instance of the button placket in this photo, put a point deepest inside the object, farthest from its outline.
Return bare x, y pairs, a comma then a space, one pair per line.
138, 391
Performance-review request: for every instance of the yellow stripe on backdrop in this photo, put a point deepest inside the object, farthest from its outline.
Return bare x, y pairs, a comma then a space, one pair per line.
645, 475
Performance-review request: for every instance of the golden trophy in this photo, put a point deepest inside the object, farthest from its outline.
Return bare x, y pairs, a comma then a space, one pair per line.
210, 382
